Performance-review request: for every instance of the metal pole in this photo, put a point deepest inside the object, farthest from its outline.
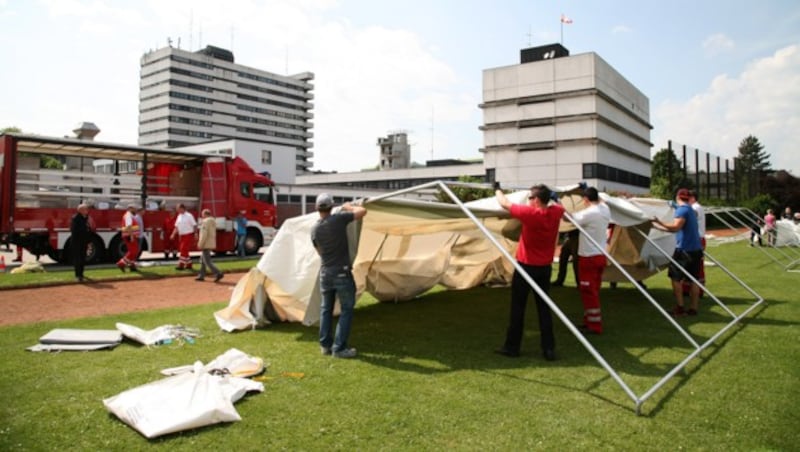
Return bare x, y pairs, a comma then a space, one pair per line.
542, 294
686, 272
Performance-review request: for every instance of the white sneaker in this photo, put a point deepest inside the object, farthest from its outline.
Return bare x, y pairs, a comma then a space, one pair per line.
346, 353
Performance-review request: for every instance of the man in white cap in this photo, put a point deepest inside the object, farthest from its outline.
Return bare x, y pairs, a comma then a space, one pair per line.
329, 237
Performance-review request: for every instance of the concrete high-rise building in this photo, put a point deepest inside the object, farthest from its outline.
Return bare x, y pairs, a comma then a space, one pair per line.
194, 97
395, 151
558, 119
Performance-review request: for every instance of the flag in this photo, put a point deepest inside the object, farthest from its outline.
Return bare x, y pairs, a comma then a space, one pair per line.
565, 19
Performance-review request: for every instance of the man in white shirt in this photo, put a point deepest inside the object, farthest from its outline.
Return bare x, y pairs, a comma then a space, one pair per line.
591, 261
701, 229
185, 231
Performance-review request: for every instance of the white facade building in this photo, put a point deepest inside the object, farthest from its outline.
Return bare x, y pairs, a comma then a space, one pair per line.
560, 120
192, 97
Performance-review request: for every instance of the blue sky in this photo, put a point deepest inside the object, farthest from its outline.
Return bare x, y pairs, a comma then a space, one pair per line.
714, 71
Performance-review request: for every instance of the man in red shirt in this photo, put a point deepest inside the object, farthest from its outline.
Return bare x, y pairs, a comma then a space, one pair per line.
537, 246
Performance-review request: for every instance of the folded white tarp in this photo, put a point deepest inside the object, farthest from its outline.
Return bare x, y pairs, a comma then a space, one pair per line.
233, 362
181, 402
67, 339
160, 335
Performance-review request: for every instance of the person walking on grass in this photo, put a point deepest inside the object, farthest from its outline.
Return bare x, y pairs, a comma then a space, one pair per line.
329, 237
130, 236
185, 230
80, 232
241, 233
206, 243
591, 261
688, 252
535, 252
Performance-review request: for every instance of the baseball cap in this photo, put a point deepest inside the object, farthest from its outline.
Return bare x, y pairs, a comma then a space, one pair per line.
324, 201
683, 194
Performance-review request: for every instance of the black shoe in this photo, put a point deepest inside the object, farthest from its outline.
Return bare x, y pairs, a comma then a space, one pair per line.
557, 284
79, 278
506, 352
218, 277
199, 278
134, 269
549, 355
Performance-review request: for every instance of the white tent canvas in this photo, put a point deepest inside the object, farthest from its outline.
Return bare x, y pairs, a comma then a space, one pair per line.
403, 248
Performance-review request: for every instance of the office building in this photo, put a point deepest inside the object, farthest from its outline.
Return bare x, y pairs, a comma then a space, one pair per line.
559, 119
190, 97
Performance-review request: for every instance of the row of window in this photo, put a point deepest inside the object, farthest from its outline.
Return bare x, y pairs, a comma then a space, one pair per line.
611, 174
268, 122
271, 112
262, 100
271, 91
269, 133
268, 80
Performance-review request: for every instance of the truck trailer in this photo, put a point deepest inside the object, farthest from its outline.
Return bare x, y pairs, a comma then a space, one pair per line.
44, 179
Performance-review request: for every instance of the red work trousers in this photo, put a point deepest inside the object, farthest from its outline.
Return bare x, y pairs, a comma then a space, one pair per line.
590, 275
184, 245
129, 259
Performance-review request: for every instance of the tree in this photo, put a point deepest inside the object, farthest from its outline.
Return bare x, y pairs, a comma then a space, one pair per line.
752, 155
750, 166
465, 194
45, 161
666, 174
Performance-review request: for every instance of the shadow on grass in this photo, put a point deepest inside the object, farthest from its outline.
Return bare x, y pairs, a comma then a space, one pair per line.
450, 331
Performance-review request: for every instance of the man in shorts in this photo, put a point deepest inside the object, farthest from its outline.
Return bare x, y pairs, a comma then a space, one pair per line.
688, 251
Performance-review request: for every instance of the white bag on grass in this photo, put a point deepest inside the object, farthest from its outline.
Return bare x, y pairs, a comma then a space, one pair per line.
181, 402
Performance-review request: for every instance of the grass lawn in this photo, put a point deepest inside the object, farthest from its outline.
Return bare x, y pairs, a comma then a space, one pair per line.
426, 377
152, 269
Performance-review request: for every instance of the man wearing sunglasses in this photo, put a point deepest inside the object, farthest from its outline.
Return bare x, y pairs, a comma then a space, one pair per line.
537, 245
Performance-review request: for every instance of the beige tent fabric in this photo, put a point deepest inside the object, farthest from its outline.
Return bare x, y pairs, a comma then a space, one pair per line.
403, 248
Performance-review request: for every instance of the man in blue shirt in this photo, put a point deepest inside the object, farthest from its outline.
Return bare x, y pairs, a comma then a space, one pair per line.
688, 251
329, 237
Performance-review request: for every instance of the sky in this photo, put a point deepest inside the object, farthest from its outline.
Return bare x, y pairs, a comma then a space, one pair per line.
715, 71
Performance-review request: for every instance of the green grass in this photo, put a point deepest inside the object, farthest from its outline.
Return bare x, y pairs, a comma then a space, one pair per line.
426, 377
155, 269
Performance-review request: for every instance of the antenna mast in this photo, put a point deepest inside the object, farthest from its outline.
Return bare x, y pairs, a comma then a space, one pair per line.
432, 117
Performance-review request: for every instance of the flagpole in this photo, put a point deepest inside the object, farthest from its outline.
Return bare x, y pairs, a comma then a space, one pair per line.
562, 32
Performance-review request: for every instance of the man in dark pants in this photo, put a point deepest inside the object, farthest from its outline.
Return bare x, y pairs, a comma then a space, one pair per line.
80, 232
569, 251
329, 237
537, 246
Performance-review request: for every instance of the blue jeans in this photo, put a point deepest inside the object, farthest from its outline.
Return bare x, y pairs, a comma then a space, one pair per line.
240, 239
335, 282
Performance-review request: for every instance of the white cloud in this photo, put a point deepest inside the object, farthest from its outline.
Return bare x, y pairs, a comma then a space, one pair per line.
717, 44
368, 79
621, 29
761, 101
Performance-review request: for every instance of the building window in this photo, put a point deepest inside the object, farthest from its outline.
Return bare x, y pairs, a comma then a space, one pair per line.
266, 157
603, 172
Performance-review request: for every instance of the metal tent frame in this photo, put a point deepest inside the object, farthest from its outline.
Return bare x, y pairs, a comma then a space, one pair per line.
785, 257
698, 347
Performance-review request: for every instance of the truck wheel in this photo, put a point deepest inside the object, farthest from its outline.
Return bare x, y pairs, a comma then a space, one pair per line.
116, 249
253, 242
95, 250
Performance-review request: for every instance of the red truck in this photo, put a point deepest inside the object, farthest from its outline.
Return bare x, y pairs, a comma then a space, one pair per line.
44, 179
